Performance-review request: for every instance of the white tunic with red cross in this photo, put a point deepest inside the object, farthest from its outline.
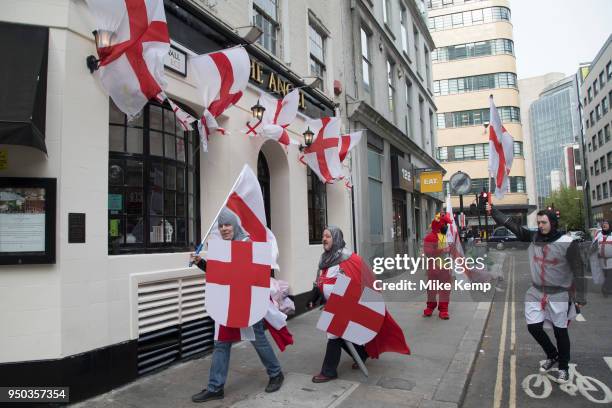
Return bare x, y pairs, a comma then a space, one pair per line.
550, 268
604, 250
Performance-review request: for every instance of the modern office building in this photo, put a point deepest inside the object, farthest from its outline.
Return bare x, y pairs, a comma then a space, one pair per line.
474, 58
554, 122
386, 78
596, 98
529, 91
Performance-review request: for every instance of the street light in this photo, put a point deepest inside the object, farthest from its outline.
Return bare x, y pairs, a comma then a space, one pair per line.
308, 136
257, 111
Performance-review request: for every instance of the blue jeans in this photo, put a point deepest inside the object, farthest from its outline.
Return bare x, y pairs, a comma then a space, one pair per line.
221, 358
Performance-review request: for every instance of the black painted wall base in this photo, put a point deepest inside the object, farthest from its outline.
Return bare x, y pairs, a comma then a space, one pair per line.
91, 373
87, 374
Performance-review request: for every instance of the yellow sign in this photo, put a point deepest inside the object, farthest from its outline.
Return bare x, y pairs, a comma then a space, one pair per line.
3, 159
431, 182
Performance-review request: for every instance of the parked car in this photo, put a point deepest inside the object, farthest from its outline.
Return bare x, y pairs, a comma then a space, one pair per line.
501, 238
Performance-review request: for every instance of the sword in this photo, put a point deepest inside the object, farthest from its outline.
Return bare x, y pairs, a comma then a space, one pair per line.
197, 251
356, 357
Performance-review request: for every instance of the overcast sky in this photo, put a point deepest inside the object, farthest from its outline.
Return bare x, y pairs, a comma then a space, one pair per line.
557, 35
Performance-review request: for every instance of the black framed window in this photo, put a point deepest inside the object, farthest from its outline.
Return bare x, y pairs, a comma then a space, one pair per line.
317, 207
317, 54
508, 114
153, 198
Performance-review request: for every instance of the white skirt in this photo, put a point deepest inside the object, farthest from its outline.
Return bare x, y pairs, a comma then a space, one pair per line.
558, 309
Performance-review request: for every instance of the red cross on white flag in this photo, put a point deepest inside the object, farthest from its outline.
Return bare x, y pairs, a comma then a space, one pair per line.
501, 152
277, 117
347, 143
131, 69
238, 281
353, 313
222, 78
323, 156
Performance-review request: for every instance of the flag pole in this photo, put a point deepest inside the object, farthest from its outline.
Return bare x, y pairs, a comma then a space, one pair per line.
201, 245
356, 357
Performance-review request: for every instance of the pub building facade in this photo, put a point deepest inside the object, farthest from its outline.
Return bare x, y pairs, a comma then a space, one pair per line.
386, 72
133, 198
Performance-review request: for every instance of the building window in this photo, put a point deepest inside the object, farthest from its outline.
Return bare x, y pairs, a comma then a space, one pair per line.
607, 133
469, 18
409, 118
593, 194
443, 153
595, 88
605, 190
427, 73
152, 177
317, 55
594, 142
474, 83
497, 46
518, 148
417, 48
387, 12
590, 146
591, 170
317, 207
592, 118
477, 117
422, 120
600, 139
590, 93
404, 30
609, 70
598, 112
602, 163
391, 86
604, 106
375, 191
598, 192
596, 165
602, 80
365, 59
265, 16
517, 184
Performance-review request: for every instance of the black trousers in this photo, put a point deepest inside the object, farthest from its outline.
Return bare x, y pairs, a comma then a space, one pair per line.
607, 285
562, 351
332, 356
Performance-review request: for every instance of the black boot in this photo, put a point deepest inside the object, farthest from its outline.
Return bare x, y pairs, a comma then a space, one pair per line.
206, 395
275, 383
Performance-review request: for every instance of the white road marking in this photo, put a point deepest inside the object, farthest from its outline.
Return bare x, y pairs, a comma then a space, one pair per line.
608, 361
512, 400
502, 349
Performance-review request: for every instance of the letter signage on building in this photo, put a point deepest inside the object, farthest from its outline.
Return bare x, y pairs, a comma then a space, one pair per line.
431, 181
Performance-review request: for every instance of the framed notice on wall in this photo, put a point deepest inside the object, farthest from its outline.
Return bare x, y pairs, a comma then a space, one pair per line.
27, 220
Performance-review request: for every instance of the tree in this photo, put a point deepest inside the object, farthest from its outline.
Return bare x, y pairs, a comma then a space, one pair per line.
569, 202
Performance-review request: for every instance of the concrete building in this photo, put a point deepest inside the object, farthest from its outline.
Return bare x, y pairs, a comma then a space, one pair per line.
387, 91
120, 301
571, 167
474, 59
596, 97
554, 122
529, 91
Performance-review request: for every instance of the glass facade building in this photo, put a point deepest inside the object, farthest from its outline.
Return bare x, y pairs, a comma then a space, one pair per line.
554, 122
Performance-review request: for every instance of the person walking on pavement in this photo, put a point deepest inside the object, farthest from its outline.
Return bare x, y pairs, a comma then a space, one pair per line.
557, 285
337, 258
601, 262
230, 229
435, 248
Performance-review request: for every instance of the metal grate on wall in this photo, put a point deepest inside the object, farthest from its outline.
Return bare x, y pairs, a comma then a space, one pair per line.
172, 322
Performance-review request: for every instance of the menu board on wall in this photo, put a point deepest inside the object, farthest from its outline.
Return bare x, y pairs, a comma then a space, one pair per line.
27, 220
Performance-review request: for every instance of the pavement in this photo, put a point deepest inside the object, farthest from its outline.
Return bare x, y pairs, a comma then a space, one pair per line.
506, 371
435, 375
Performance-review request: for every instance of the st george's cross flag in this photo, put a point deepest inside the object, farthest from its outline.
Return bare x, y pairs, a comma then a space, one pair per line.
277, 117
238, 281
352, 312
131, 68
347, 143
222, 78
501, 152
323, 156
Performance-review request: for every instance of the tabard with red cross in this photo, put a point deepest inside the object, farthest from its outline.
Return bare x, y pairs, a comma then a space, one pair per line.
353, 313
238, 281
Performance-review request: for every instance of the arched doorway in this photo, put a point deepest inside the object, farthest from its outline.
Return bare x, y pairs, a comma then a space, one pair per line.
263, 175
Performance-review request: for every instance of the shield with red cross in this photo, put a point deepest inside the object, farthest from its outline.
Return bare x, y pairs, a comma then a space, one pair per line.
238, 281
352, 312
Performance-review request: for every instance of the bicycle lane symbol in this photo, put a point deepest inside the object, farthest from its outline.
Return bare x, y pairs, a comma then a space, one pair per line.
540, 386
